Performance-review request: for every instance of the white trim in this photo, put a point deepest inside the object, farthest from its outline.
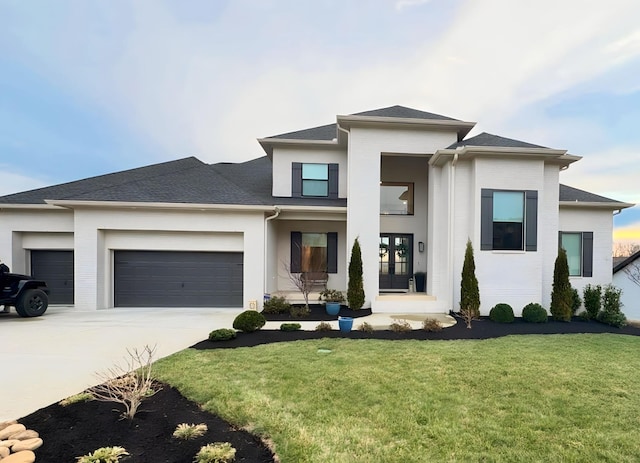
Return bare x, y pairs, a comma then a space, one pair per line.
71, 204
614, 205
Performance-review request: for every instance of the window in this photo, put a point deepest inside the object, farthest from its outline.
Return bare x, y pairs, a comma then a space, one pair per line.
314, 180
396, 198
509, 220
314, 252
579, 247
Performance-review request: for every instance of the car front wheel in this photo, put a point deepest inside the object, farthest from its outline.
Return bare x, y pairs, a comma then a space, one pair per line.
32, 303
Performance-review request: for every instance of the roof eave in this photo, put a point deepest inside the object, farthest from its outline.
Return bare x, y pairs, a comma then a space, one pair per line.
469, 152
612, 205
269, 143
632, 258
461, 127
17, 206
75, 204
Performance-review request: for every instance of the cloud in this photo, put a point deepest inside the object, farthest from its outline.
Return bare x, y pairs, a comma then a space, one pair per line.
403, 4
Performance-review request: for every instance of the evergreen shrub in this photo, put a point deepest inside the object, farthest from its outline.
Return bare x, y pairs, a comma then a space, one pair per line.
222, 334
249, 321
501, 313
534, 313
276, 305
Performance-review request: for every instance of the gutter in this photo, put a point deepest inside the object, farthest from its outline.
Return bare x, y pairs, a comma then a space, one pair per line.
276, 213
452, 198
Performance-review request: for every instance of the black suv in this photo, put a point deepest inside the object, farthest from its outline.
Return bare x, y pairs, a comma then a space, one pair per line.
28, 296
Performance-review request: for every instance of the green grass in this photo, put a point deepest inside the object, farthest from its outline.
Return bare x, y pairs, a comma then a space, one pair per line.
551, 398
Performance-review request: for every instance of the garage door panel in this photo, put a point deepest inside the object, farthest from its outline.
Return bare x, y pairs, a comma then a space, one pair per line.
174, 279
56, 269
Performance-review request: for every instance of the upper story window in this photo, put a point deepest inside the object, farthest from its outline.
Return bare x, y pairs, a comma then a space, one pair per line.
396, 198
509, 220
314, 180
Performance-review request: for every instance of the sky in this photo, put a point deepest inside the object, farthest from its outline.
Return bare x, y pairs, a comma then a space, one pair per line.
89, 87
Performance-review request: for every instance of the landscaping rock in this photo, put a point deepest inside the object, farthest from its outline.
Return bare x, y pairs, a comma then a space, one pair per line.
8, 442
22, 435
27, 444
11, 430
25, 456
4, 424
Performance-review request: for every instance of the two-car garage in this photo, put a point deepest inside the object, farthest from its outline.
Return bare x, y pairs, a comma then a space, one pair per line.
177, 279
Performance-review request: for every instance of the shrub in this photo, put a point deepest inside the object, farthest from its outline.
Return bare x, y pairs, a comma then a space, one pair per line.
249, 321
128, 385
592, 300
220, 452
290, 327
186, 431
276, 304
355, 286
323, 326
561, 296
534, 313
299, 311
365, 327
501, 313
611, 305
331, 295
576, 302
431, 324
222, 334
401, 326
469, 291
80, 397
104, 455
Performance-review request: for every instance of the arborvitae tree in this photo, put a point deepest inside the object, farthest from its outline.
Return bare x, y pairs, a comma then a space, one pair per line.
562, 294
355, 290
469, 291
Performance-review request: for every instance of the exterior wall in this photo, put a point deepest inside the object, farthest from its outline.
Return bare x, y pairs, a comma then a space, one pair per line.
414, 170
512, 277
23, 230
630, 290
439, 266
283, 157
600, 222
310, 224
366, 146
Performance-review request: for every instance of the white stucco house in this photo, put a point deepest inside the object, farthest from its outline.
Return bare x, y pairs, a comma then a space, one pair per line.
626, 276
407, 183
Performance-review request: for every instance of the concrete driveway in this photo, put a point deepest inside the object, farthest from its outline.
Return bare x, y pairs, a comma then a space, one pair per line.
48, 358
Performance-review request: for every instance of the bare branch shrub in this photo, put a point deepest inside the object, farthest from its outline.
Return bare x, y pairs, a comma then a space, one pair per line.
128, 385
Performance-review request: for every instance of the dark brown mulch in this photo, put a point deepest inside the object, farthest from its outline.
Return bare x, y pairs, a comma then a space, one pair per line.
75, 430
318, 313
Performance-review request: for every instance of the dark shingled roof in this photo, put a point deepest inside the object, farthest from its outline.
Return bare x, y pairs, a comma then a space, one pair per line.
624, 261
188, 181
72, 190
487, 139
329, 132
568, 193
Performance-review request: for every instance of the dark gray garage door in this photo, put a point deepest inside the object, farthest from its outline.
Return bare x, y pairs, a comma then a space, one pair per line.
56, 269
177, 279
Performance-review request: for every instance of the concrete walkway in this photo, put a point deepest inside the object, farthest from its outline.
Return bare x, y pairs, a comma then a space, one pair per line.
48, 358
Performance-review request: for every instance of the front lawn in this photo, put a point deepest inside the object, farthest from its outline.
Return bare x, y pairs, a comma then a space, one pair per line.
570, 398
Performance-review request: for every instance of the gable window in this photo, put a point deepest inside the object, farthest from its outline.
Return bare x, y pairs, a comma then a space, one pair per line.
396, 198
314, 180
509, 220
314, 252
579, 247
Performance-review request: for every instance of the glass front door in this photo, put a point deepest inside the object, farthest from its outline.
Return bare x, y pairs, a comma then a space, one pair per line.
396, 261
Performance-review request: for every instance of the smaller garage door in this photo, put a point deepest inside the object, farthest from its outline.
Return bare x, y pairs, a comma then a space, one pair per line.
56, 269
177, 279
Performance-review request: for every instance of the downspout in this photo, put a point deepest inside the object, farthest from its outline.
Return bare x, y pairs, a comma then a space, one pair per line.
276, 213
452, 199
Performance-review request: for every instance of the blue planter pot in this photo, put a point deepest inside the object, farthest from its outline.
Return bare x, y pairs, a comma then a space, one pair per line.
345, 324
333, 308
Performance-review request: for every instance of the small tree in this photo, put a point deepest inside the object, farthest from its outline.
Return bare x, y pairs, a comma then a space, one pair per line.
355, 289
469, 291
128, 385
562, 294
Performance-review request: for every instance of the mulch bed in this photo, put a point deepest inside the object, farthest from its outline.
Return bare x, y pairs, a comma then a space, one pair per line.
75, 430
